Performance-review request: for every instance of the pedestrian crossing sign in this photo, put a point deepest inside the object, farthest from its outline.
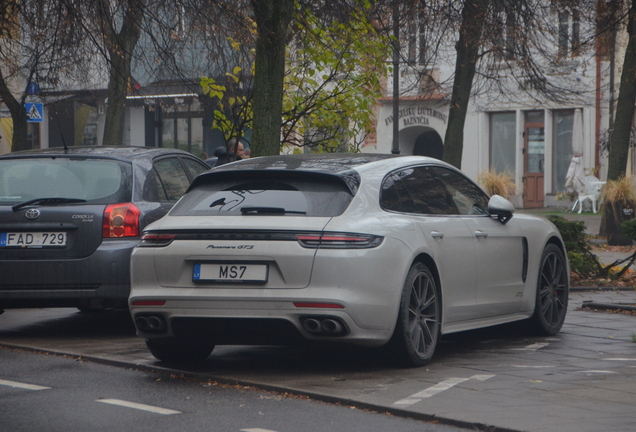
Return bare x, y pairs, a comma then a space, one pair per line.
34, 111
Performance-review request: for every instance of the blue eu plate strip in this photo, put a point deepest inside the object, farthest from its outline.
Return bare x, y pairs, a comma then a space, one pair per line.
197, 272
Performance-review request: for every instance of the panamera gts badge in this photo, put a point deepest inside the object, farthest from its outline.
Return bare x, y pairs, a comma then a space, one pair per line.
32, 214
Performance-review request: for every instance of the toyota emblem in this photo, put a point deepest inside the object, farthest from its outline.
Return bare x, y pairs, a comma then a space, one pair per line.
32, 214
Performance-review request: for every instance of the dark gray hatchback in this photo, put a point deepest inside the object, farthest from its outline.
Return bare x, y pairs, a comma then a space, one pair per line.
70, 218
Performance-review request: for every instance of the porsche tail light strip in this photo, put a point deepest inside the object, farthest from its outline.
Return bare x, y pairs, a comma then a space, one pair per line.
339, 241
310, 240
150, 239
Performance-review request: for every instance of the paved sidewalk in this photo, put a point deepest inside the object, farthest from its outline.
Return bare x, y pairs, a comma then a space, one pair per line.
582, 380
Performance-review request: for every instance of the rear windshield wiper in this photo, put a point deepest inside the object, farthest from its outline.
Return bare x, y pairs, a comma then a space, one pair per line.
48, 201
268, 210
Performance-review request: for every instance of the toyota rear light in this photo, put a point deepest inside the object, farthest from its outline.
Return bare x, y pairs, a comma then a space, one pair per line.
121, 220
339, 241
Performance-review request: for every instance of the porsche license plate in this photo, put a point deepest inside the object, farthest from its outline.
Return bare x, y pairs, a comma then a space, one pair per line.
221, 272
32, 239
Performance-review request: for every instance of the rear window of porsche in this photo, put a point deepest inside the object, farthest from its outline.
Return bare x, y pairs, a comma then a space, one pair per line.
300, 196
94, 180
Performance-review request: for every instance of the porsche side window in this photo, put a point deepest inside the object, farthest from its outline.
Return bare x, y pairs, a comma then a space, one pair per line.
468, 198
428, 195
389, 197
394, 196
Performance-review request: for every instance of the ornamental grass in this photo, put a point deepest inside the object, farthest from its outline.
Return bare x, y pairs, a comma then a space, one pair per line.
498, 183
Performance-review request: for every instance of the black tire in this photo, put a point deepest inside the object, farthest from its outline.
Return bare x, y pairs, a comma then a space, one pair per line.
174, 351
552, 293
418, 325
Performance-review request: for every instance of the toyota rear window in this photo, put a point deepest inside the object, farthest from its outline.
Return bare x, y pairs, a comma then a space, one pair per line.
98, 181
266, 197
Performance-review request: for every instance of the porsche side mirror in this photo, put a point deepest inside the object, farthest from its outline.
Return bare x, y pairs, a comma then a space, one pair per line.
501, 207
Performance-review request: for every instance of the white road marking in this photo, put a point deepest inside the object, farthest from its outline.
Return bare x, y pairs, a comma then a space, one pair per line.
138, 406
620, 359
22, 385
256, 430
481, 377
438, 388
532, 366
532, 347
598, 371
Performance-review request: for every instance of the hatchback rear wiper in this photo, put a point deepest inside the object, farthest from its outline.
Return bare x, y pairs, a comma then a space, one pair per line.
48, 201
268, 210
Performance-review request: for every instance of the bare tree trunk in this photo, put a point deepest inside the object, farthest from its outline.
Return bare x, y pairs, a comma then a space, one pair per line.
120, 49
272, 18
473, 18
18, 115
116, 109
619, 143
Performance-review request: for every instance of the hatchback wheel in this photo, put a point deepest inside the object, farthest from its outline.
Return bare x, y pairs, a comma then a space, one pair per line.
173, 351
418, 325
552, 292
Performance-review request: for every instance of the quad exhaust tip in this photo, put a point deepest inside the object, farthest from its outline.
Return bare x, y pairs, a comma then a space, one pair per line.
326, 326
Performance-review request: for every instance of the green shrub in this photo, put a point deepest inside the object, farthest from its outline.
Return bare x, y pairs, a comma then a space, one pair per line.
572, 232
628, 228
582, 259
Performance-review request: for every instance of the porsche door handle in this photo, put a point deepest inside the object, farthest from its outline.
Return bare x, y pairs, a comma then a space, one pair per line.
437, 235
480, 234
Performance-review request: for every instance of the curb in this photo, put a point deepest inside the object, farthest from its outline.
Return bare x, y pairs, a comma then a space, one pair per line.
609, 306
602, 289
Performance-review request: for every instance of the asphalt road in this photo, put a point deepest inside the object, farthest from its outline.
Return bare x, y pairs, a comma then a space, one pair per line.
584, 379
51, 393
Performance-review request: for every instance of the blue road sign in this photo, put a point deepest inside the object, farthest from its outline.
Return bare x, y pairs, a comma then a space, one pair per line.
35, 112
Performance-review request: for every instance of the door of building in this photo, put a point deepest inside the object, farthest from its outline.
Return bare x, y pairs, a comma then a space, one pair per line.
534, 159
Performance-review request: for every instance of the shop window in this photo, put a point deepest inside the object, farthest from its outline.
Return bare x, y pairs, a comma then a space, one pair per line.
503, 142
563, 124
182, 127
85, 125
33, 135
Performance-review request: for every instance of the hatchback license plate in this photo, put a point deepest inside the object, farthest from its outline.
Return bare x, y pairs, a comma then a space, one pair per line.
33, 239
220, 272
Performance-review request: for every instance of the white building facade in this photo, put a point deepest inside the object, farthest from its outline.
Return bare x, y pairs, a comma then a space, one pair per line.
529, 136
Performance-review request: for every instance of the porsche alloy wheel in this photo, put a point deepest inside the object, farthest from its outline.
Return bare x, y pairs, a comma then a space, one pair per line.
552, 292
418, 323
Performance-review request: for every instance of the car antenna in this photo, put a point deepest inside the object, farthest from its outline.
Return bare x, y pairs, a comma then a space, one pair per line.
61, 133
64, 142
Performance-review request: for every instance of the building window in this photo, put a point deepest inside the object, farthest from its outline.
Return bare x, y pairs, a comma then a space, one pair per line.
85, 125
568, 32
33, 135
503, 142
416, 35
563, 123
506, 29
182, 127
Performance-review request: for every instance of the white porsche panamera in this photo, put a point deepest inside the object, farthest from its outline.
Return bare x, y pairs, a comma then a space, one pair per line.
378, 250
